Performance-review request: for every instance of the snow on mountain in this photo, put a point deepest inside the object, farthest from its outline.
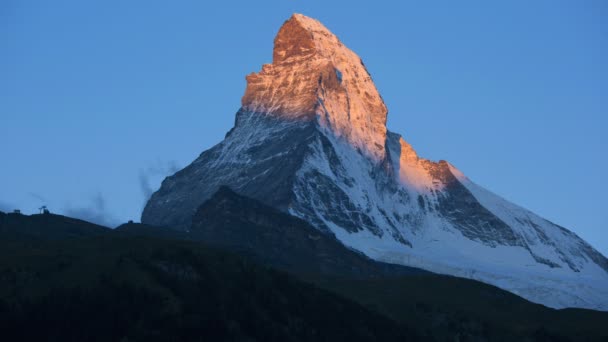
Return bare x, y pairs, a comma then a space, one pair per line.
311, 139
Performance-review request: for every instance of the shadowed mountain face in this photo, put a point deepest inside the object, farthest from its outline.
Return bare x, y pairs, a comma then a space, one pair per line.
311, 140
246, 226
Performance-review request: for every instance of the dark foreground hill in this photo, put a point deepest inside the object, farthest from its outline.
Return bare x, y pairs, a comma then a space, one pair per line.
142, 282
121, 288
46, 227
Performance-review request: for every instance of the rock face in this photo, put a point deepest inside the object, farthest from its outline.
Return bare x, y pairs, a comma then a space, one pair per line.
310, 140
313, 76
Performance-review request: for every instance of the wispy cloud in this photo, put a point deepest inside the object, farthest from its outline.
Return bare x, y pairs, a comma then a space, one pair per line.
95, 212
158, 170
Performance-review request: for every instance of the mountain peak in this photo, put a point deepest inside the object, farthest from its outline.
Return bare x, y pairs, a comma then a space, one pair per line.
302, 36
315, 77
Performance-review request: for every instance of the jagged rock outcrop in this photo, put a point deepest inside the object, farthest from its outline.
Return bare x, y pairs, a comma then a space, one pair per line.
311, 140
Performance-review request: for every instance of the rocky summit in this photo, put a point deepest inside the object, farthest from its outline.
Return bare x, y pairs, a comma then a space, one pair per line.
314, 77
310, 140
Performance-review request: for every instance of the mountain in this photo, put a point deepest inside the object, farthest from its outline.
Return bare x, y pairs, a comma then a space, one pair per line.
310, 139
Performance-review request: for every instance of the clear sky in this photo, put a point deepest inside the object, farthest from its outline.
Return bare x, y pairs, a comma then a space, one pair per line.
99, 100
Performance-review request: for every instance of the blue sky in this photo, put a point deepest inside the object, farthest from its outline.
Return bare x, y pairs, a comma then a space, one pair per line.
100, 100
